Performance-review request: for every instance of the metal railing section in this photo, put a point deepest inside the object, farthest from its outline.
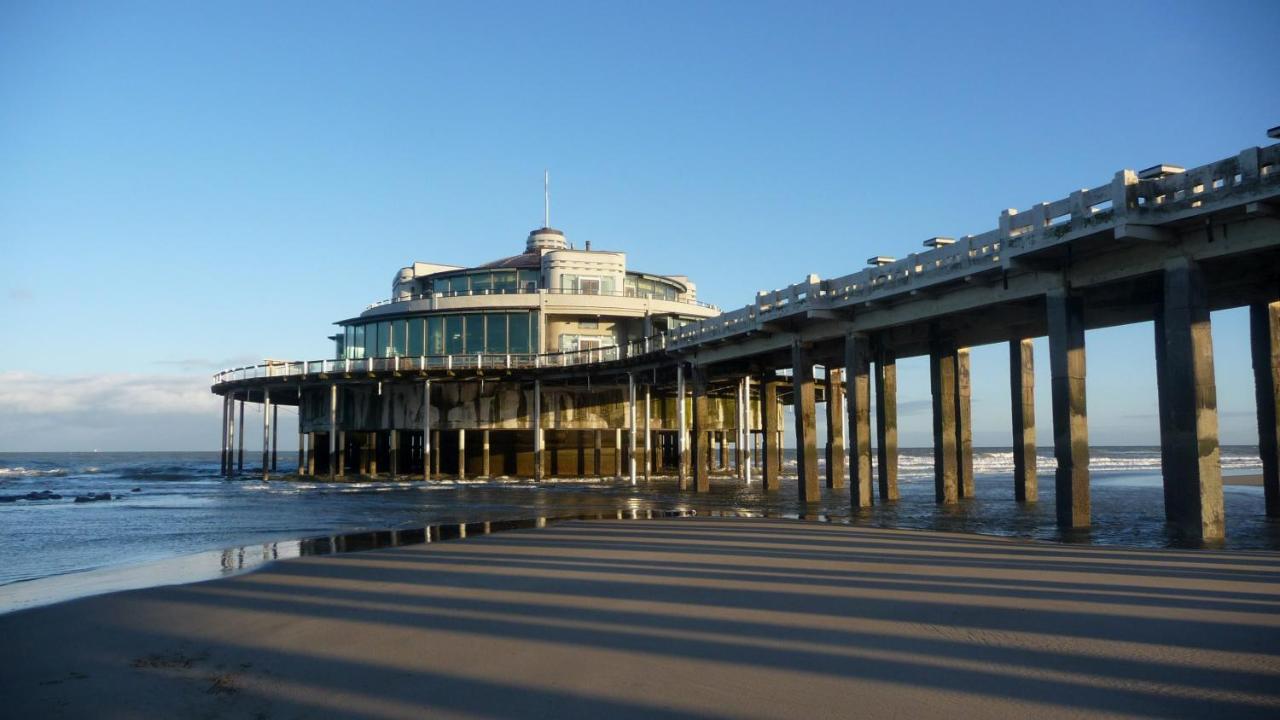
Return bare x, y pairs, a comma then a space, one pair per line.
547, 291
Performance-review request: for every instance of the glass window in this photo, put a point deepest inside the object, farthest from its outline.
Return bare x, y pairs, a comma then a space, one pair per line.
533, 334
504, 281
415, 346
453, 334
370, 340
495, 334
589, 285
481, 283
460, 285
569, 283
349, 334
475, 333
435, 335
518, 332
384, 339
400, 336
529, 280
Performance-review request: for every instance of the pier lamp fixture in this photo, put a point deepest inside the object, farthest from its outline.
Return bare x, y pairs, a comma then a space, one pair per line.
1155, 172
937, 242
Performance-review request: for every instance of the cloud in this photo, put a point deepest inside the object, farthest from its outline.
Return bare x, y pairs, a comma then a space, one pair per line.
20, 294
108, 412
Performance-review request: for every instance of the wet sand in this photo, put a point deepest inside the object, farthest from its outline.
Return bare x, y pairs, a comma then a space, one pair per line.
676, 618
1254, 480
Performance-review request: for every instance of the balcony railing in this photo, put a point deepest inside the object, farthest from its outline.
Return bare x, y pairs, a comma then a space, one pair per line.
535, 291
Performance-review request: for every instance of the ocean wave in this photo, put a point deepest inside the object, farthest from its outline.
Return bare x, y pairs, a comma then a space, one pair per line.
31, 472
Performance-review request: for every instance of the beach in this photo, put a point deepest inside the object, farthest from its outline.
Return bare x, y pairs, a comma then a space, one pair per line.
695, 617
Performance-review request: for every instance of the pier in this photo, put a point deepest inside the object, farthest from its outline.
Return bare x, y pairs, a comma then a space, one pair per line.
691, 392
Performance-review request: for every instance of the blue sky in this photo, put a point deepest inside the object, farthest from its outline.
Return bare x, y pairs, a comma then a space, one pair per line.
189, 185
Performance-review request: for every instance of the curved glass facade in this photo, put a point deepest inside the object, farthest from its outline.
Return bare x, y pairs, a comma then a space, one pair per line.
441, 334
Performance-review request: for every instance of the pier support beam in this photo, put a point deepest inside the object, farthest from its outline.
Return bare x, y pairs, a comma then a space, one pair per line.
226, 402
648, 432
964, 426
942, 383
1022, 397
426, 429
537, 429
835, 425
887, 424
302, 440
772, 470
266, 434
1070, 418
275, 435
857, 366
1189, 403
806, 424
240, 457
631, 426
701, 436
462, 454
748, 457
1264, 331
682, 439
333, 431
484, 442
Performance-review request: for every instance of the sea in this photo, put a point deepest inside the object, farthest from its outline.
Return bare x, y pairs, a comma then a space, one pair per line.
171, 518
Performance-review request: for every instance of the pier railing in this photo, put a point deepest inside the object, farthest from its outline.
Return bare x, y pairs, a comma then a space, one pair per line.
547, 291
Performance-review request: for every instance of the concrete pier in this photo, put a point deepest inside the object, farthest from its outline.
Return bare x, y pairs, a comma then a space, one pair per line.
834, 388
1022, 385
222, 455
769, 412
806, 424
701, 436
964, 426
942, 383
887, 424
1189, 427
537, 431
1264, 330
426, 430
266, 434
1070, 419
682, 438
857, 363
334, 470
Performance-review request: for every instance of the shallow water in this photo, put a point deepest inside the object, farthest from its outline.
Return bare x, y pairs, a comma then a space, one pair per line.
169, 505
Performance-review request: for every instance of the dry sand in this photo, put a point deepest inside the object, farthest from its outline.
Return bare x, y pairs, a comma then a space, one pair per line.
677, 618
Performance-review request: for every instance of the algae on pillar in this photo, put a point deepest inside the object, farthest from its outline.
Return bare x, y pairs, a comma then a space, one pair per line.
806, 424
964, 426
701, 436
772, 470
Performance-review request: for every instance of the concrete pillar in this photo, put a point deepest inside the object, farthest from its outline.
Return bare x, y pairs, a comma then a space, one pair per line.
462, 454
772, 471
887, 424
597, 454
648, 432
1070, 418
746, 434
942, 383
722, 445
426, 429
302, 441
857, 366
484, 442
835, 427
266, 434
1193, 481
701, 436
333, 431
435, 456
806, 424
1264, 331
222, 455
964, 426
682, 440
1022, 397
537, 427
275, 435
240, 457
631, 426
617, 453
370, 451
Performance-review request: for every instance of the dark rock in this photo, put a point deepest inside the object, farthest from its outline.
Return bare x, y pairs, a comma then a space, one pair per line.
93, 497
136, 490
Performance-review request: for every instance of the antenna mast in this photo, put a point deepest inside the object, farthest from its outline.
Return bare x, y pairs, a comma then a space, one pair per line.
546, 199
